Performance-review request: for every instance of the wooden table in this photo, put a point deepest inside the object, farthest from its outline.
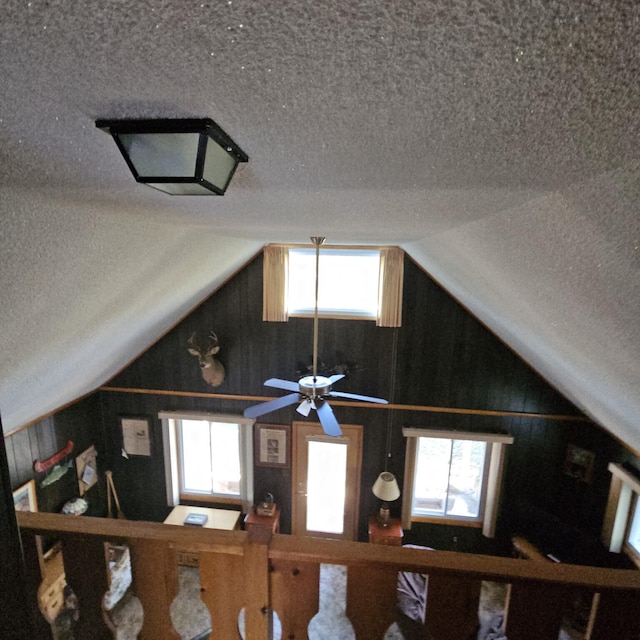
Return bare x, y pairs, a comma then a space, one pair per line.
216, 519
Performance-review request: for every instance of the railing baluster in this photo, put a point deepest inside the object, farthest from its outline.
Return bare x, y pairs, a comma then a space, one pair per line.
535, 609
32, 555
223, 592
615, 615
295, 595
154, 573
85, 567
371, 600
446, 593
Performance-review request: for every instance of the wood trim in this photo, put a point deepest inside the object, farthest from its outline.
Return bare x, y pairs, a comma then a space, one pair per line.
474, 524
363, 405
502, 438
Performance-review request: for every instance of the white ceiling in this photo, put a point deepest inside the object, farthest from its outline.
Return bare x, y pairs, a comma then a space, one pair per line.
496, 141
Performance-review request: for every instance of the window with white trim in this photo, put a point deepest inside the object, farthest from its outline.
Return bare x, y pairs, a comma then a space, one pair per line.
453, 477
621, 527
208, 457
347, 282
353, 283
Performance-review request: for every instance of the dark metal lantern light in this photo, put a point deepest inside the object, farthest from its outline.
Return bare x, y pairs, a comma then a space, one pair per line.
183, 157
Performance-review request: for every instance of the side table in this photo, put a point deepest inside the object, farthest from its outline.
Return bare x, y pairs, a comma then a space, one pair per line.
391, 535
252, 519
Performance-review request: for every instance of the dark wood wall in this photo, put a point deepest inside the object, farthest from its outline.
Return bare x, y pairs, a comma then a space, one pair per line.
441, 357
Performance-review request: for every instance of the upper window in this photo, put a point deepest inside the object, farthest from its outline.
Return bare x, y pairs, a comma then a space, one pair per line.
352, 283
347, 282
208, 457
453, 477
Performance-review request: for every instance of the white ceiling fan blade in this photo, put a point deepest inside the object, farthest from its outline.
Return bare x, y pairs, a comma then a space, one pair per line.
355, 396
278, 383
335, 377
328, 420
266, 407
304, 408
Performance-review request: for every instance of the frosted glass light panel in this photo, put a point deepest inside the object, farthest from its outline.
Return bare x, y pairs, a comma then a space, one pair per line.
347, 283
326, 486
179, 157
449, 478
162, 154
212, 450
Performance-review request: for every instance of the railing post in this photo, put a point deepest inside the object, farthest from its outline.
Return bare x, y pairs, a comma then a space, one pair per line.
258, 612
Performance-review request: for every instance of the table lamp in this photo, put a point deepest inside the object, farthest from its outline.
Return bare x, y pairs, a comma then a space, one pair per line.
386, 489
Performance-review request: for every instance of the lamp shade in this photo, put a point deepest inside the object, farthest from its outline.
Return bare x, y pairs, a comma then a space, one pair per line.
179, 157
386, 487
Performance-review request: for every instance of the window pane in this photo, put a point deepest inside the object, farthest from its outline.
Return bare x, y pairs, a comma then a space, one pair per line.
634, 532
449, 478
348, 281
225, 458
196, 462
465, 479
432, 476
326, 483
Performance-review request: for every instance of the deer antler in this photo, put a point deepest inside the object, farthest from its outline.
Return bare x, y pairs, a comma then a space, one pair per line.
192, 343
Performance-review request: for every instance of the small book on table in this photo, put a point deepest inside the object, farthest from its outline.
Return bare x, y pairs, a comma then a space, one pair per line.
196, 519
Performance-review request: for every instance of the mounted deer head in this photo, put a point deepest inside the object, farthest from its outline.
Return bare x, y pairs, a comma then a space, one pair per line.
212, 369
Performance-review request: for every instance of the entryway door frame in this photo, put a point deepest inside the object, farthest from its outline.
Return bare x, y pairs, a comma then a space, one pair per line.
302, 434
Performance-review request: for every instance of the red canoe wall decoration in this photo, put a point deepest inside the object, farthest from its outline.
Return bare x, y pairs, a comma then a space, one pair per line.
49, 463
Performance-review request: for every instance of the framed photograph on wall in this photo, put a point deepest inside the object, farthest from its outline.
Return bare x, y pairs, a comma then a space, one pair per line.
272, 445
579, 463
24, 497
87, 469
136, 438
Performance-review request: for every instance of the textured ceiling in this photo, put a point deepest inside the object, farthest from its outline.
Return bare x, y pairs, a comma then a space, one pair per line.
496, 141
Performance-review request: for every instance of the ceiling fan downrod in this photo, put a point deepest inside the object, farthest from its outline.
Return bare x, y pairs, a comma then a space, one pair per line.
317, 242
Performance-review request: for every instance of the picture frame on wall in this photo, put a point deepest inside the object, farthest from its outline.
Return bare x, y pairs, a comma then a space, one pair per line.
136, 435
24, 497
579, 463
87, 469
272, 445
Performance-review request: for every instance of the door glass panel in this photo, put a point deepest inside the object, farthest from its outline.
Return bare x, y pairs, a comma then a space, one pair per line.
326, 484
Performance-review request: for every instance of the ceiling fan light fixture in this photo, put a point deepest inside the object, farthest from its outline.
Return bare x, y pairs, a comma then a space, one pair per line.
184, 156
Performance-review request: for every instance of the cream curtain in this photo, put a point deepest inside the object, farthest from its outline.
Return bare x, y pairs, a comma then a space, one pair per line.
275, 284
390, 287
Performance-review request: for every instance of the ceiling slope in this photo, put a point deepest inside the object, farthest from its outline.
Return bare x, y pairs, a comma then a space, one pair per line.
496, 141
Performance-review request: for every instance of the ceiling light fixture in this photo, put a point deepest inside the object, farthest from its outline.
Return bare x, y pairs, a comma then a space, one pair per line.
182, 157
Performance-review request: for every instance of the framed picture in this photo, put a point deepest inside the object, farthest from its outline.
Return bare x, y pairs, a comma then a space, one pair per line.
136, 440
272, 445
87, 469
24, 497
579, 463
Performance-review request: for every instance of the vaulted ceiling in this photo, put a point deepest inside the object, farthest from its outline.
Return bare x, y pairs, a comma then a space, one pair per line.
497, 142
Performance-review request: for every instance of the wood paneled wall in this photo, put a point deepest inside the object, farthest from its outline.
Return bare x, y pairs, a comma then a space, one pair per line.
441, 357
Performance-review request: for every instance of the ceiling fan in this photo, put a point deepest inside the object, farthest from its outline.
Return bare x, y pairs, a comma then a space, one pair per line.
312, 392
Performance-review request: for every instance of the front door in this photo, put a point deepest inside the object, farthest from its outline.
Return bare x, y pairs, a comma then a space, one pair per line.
326, 481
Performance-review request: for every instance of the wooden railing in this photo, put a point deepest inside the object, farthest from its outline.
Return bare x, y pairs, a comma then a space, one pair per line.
260, 572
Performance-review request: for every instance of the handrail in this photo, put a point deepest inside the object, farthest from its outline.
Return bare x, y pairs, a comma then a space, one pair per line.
320, 550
